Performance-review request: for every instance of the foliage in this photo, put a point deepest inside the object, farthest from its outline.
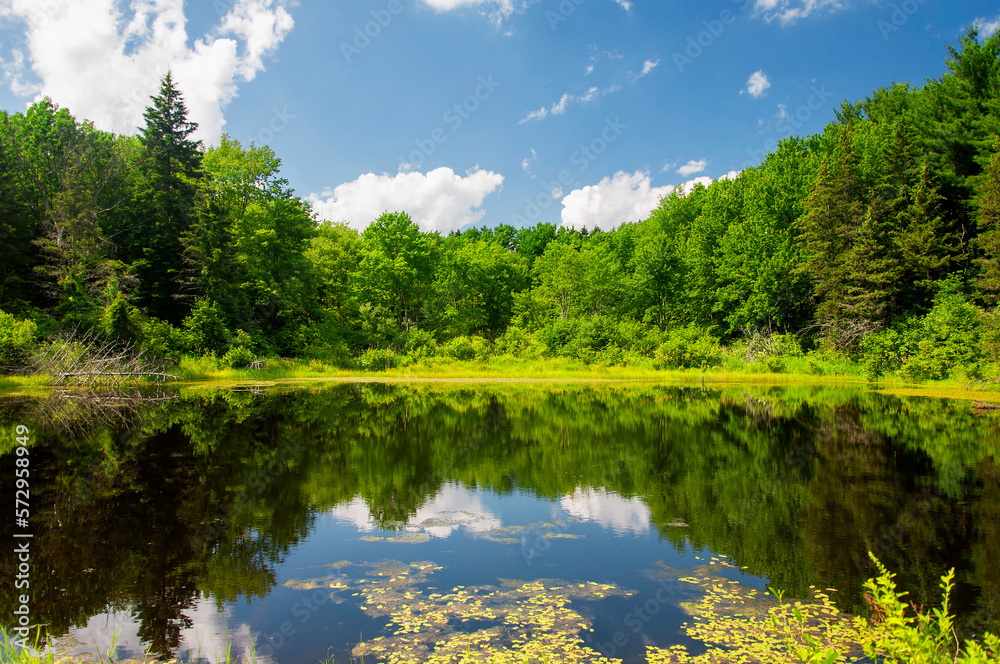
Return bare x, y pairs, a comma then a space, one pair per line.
204, 329
17, 339
949, 336
237, 357
466, 348
923, 638
689, 347
860, 239
377, 359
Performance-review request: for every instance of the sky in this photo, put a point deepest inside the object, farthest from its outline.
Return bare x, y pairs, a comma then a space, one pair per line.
482, 112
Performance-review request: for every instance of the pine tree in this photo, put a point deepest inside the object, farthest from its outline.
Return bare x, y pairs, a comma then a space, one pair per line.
171, 170
988, 200
834, 212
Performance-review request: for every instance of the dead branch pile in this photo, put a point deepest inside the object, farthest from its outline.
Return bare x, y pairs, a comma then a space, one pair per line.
86, 360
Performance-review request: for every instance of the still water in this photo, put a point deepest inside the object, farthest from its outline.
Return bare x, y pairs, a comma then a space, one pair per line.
417, 520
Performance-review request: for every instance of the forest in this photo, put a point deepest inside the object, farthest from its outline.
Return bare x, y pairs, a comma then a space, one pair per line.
875, 241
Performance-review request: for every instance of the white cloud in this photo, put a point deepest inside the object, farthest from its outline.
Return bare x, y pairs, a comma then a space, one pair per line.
211, 632
622, 198
439, 200
612, 201
453, 507
559, 108
624, 4
102, 59
687, 187
608, 509
540, 114
757, 84
693, 167
647, 67
782, 112
526, 164
789, 11
987, 28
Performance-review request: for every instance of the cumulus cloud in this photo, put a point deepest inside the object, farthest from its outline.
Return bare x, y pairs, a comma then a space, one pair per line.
103, 59
440, 200
611, 510
757, 84
789, 11
612, 201
454, 508
693, 167
621, 199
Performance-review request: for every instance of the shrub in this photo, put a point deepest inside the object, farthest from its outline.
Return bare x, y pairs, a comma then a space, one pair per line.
237, 357
883, 352
204, 329
948, 337
419, 345
467, 348
689, 347
922, 638
558, 335
17, 339
377, 359
119, 320
519, 342
161, 339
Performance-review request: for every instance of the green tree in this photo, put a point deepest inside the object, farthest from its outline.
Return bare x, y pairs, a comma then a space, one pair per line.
988, 220
396, 268
170, 174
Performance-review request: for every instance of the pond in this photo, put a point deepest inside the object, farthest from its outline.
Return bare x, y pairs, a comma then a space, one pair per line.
401, 521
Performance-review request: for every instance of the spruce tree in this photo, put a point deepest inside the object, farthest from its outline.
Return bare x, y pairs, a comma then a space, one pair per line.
988, 213
171, 170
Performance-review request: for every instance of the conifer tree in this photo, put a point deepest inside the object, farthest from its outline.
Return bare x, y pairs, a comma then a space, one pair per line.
171, 170
988, 281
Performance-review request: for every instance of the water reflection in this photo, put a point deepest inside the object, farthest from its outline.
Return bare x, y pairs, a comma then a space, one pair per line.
184, 515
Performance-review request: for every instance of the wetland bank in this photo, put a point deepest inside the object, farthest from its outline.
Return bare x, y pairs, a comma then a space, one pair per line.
420, 521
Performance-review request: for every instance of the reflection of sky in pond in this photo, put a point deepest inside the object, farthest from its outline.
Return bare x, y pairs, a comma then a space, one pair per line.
206, 636
475, 537
452, 508
622, 515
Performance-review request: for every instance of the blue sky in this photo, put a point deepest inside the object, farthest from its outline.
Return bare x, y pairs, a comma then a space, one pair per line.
581, 112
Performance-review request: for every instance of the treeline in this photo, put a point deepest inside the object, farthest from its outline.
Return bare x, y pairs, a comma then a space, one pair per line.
877, 238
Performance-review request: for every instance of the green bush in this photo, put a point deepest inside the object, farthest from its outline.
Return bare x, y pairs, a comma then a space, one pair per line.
923, 638
419, 345
689, 347
119, 320
323, 340
948, 337
17, 339
559, 334
520, 343
377, 359
883, 352
161, 339
204, 329
467, 348
237, 357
